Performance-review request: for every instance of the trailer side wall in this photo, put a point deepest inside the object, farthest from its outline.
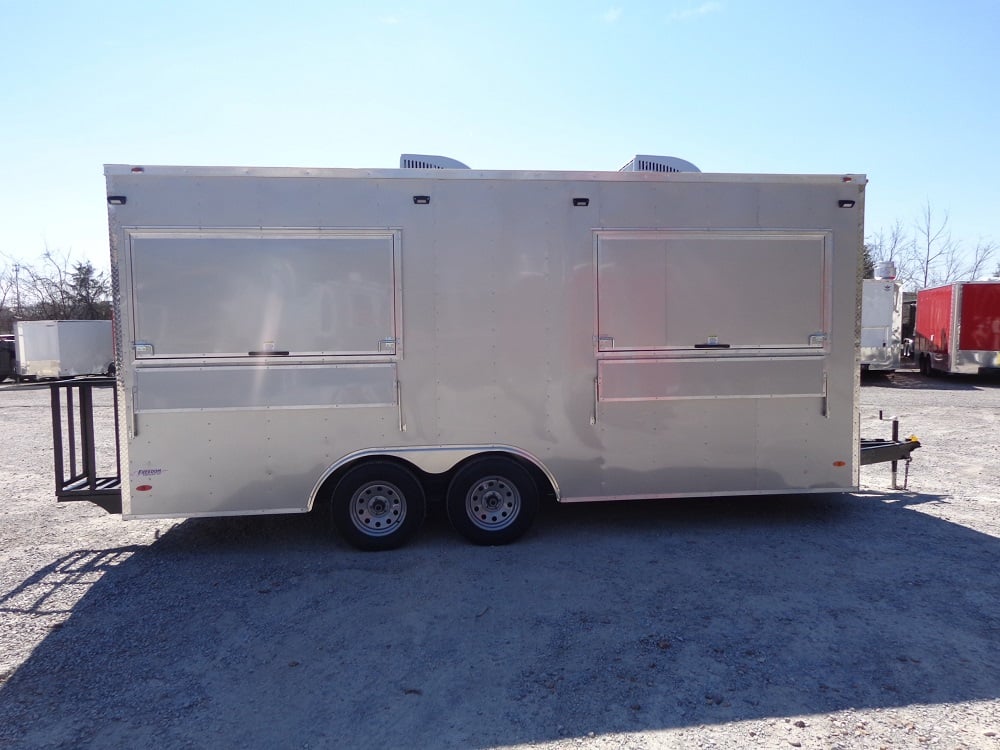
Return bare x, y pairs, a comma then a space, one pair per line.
622, 331
934, 316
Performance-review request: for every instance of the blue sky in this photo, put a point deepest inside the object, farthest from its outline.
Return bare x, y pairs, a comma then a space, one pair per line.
907, 92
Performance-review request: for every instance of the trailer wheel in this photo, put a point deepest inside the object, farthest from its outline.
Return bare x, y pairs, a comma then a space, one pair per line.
492, 500
926, 368
378, 505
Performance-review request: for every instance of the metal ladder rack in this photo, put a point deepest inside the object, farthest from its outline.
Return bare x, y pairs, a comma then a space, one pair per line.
74, 446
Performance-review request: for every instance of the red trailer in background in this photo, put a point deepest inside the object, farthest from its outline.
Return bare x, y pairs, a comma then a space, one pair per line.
958, 328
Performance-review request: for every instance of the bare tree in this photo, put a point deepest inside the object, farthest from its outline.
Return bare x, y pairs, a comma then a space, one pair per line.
982, 257
933, 247
930, 256
944, 260
891, 244
60, 289
8, 293
894, 245
950, 266
44, 290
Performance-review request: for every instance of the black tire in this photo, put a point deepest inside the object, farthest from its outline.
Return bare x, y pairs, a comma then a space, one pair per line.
378, 505
932, 372
925, 365
492, 500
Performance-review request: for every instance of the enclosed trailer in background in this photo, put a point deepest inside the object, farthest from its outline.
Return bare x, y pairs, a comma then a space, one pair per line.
364, 340
64, 348
881, 322
958, 328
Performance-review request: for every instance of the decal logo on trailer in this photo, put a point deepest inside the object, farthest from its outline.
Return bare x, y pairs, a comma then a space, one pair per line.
146, 473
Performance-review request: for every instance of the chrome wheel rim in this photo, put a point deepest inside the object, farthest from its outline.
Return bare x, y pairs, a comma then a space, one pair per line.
378, 508
493, 503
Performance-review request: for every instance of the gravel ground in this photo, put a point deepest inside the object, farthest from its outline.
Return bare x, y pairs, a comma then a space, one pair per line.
865, 620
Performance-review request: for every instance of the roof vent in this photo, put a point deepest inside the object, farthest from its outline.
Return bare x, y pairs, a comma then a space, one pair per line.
885, 269
646, 163
429, 161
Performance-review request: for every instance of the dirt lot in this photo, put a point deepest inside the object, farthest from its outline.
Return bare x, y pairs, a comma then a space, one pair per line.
866, 620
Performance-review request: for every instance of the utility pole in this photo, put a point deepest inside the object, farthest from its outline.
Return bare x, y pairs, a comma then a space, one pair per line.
17, 290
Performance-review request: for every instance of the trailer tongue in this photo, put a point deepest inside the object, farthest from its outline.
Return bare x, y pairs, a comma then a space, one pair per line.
892, 450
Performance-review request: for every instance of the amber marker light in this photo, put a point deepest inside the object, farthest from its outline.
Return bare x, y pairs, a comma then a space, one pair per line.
840, 463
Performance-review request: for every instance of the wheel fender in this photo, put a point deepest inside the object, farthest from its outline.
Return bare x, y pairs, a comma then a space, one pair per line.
430, 459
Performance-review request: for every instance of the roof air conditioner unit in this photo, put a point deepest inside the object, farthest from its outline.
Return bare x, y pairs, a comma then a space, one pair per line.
646, 163
885, 269
429, 161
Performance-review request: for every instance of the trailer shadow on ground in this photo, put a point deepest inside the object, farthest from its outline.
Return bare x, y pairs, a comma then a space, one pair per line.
262, 632
913, 380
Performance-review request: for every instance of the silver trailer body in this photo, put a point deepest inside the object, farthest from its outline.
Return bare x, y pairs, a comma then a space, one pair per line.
881, 325
624, 335
63, 348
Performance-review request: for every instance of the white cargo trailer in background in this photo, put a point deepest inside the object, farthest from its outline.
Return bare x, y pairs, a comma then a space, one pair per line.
63, 348
365, 339
881, 325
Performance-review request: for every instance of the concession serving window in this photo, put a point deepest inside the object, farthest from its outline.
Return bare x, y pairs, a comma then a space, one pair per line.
263, 292
659, 291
